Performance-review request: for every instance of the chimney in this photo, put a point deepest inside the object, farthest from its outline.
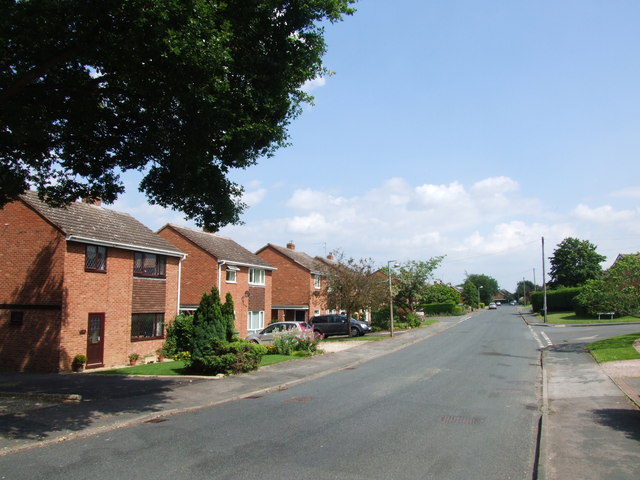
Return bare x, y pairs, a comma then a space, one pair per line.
92, 201
330, 256
291, 245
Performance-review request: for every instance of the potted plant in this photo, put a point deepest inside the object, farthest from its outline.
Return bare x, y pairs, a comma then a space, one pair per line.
133, 358
161, 354
77, 364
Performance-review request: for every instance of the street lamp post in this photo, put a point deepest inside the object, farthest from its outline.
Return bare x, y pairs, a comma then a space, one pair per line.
479, 296
391, 295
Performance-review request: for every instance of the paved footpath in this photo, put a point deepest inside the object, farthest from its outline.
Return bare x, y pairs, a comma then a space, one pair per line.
590, 430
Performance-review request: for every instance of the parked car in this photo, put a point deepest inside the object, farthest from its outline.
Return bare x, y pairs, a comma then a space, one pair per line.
334, 324
493, 306
266, 335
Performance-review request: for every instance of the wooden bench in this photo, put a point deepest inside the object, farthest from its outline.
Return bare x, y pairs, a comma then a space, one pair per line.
611, 314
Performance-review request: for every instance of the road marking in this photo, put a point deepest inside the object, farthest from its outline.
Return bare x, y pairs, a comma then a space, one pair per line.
540, 343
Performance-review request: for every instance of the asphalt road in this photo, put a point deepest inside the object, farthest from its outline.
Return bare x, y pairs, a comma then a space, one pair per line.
462, 404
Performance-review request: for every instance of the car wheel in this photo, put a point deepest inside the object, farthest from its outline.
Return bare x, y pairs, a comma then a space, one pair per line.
319, 334
255, 341
355, 332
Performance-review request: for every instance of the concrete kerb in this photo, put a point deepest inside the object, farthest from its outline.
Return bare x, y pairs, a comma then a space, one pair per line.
340, 361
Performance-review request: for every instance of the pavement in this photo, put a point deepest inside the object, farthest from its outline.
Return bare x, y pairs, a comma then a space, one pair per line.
590, 420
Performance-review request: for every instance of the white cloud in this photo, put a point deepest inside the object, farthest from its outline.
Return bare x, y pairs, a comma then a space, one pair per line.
254, 197
314, 84
604, 214
631, 192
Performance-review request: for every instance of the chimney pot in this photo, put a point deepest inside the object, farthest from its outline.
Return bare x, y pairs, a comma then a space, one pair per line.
291, 245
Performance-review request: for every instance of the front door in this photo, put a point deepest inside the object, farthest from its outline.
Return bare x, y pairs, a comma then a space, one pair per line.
95, 340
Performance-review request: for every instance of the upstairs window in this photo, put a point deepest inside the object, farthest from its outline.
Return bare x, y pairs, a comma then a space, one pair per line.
95, 259
149, 265
256, 276
317, 282
231, 274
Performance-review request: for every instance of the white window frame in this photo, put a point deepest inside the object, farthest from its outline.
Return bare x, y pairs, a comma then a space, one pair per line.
257, 276
231, 272
317, 281
255, 321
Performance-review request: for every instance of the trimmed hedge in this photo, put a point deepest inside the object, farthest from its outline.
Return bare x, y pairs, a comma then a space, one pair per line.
446, 308
560, 300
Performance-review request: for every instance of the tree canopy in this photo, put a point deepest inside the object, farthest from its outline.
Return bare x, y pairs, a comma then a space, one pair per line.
410, 281
352, 286
616, 290
489, 286
183, 90
574, 262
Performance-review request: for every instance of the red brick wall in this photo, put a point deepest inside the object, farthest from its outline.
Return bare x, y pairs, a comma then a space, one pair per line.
199, 269
111, 293
200, 274
31, 257
31, 262
292, 284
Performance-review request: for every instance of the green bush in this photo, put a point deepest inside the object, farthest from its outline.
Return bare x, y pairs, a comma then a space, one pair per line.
226, 357
288, 343
380, 320
413, 320
179, 336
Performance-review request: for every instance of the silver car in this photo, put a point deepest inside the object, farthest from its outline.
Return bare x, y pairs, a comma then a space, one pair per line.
266, 335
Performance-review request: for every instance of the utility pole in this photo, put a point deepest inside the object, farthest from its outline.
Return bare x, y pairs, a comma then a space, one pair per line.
544, 285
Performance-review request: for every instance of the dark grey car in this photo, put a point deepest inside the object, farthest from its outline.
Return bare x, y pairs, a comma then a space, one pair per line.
334, 324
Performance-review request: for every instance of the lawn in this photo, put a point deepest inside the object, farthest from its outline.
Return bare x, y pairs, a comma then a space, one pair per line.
176, 367
615, 348
571, 317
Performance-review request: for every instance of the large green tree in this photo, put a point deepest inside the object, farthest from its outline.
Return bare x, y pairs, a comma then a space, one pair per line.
441, 293
184, 90
410, 281
616, 290
488, 286
573, 262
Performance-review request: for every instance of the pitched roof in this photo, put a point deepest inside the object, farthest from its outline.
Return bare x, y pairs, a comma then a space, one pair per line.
304, 260
83, 222
223, 248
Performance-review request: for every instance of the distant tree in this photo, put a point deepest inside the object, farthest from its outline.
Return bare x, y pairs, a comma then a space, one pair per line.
524, 289
410, 282
489, 286
184, 91
470, 294
574, 262
441, 293
353, 286
616, 290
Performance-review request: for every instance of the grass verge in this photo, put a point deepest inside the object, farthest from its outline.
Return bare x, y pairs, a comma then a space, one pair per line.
176, 367
571, 317
615, 348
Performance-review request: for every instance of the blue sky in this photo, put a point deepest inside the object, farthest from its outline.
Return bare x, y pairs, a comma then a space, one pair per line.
459, 128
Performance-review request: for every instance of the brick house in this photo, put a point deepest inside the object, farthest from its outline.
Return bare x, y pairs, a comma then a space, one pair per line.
82, 279
219, 261
297, 283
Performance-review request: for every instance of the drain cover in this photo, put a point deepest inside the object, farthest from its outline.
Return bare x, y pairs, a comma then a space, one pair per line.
460, 420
